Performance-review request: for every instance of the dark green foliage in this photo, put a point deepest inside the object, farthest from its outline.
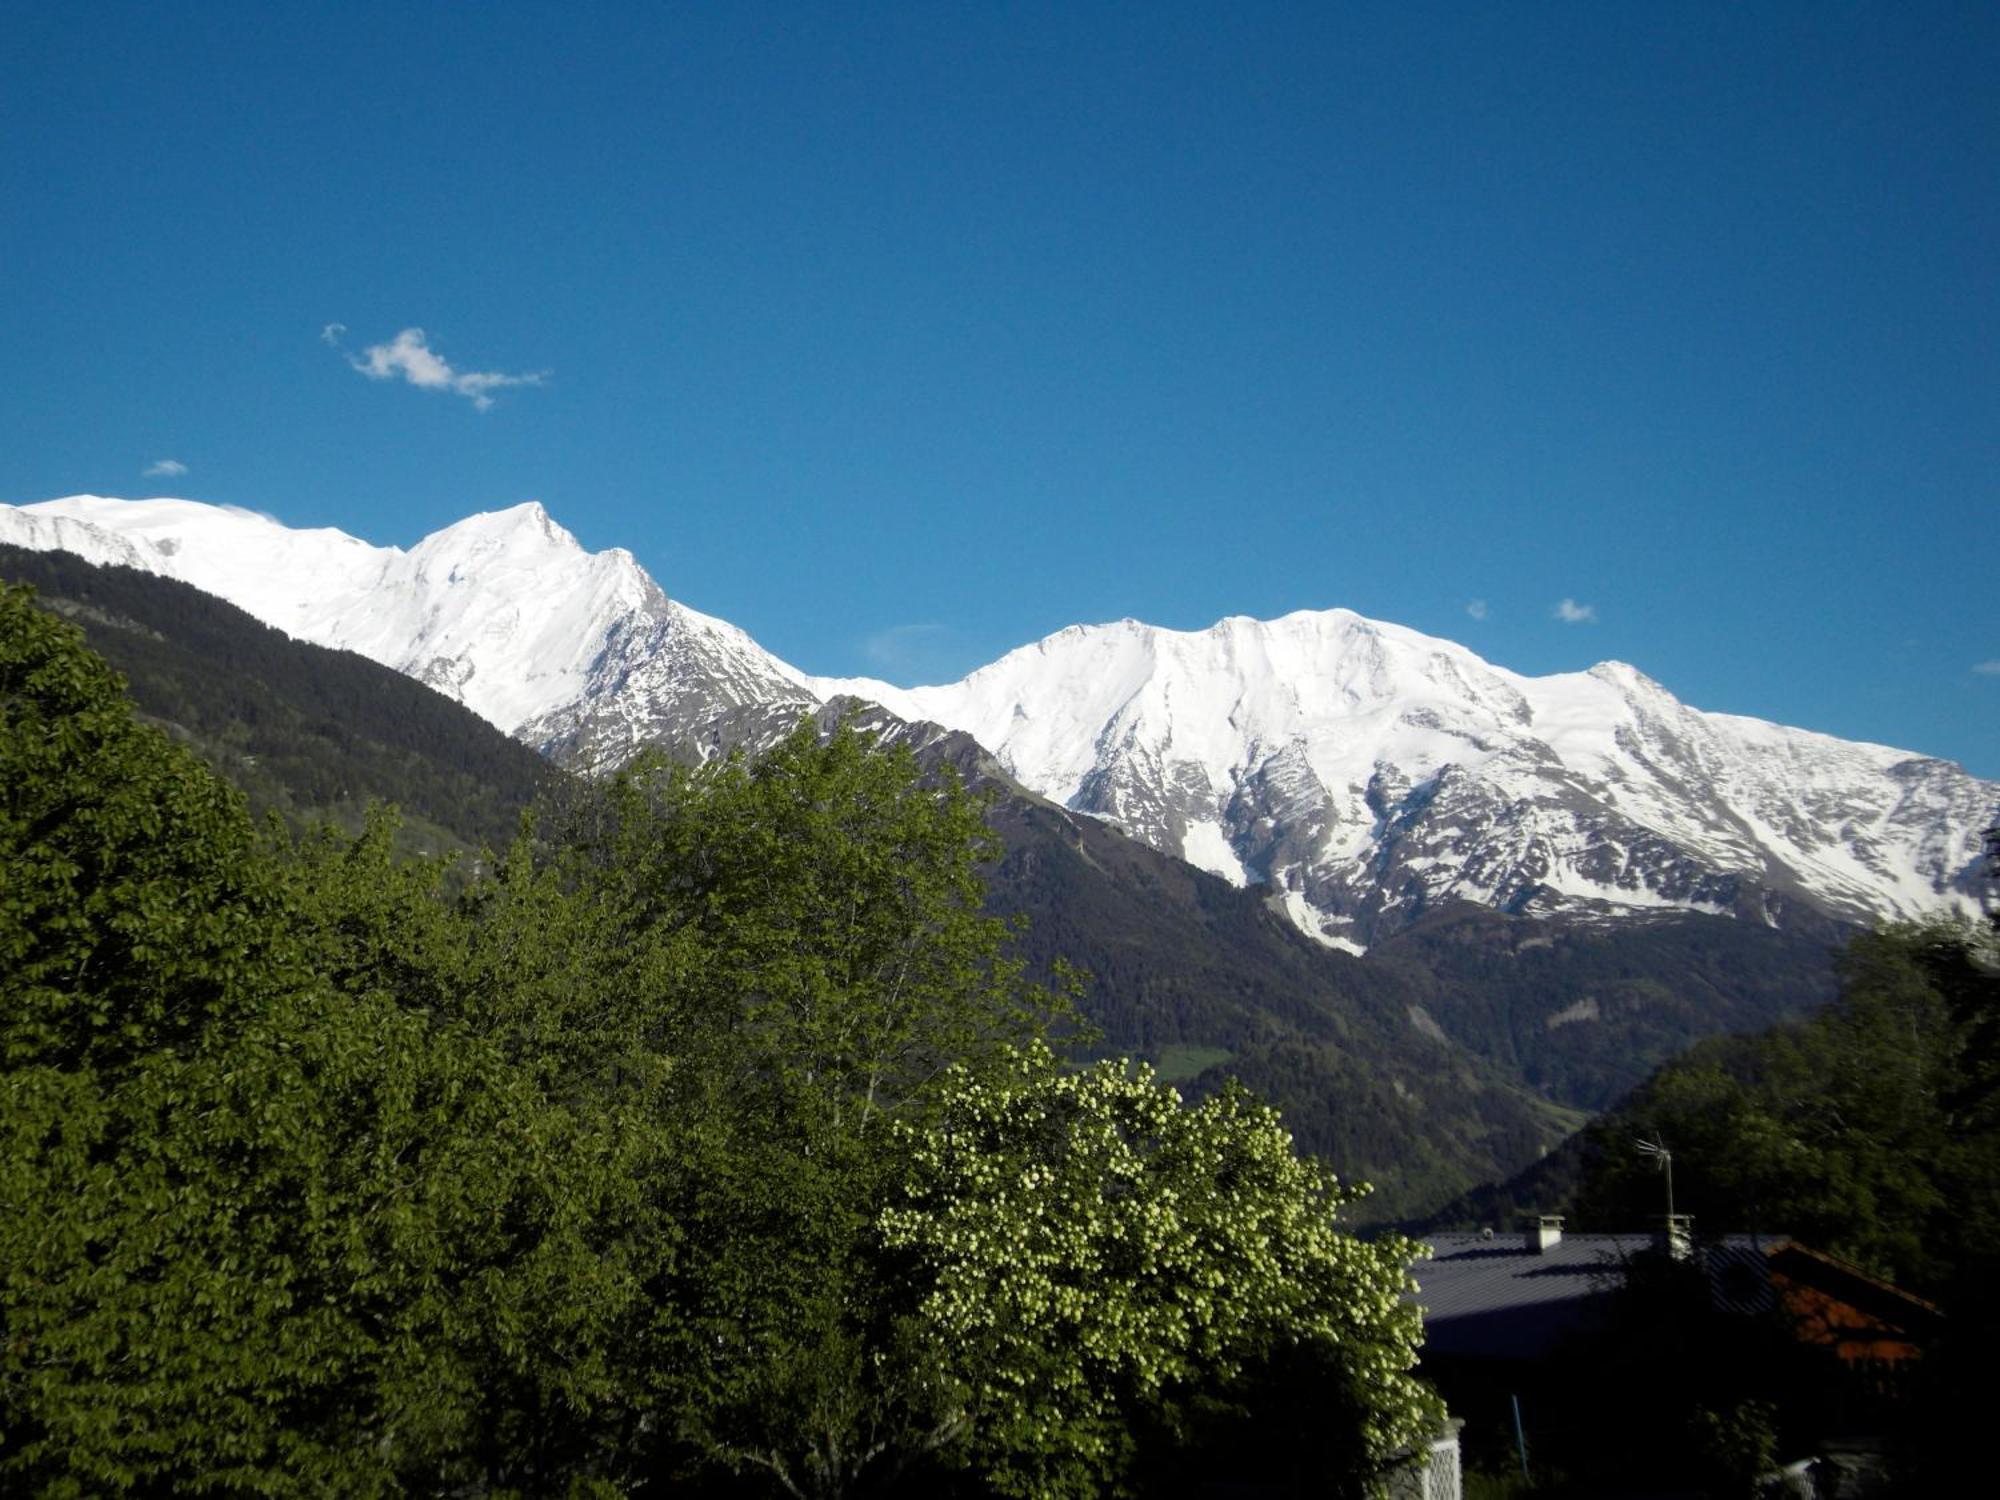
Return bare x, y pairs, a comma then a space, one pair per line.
275, 1217
1868, 1131
133, 928
124, 862
304, 731
328, 1171
1411, 1130
511, 1242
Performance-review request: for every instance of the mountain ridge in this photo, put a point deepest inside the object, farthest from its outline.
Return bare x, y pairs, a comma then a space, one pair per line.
1361, 772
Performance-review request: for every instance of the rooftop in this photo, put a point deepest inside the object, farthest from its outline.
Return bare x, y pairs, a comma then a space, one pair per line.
1495, 1296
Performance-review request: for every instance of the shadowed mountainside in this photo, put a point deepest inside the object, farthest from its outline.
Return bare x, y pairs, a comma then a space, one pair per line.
303, 731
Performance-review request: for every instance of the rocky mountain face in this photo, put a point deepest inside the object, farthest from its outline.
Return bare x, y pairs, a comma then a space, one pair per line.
1359, 773
1366, 774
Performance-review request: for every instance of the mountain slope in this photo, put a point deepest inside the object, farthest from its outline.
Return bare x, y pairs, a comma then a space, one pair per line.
1367, 773
303, 731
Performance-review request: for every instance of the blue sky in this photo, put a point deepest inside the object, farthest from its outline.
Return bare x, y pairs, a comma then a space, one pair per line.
903, 335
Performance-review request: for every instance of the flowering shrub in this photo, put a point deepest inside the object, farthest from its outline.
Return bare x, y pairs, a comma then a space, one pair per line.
1098, 1254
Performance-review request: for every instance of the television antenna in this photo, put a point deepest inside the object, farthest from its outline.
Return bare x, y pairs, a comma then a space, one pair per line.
1656, 1148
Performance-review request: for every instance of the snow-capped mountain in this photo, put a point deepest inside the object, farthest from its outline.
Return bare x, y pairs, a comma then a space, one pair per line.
580, 654
1362, 771
1365, 772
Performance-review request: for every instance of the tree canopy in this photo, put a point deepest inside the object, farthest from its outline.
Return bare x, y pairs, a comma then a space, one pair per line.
706, 1135
1871, 1130
1091, 1250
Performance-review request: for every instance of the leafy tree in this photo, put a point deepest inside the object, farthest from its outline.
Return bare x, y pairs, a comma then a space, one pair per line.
293, 1198
133, 928
155, 1125
131, 911
1105, 1264
1868, 1130
505, 1227
836, 962
833, 893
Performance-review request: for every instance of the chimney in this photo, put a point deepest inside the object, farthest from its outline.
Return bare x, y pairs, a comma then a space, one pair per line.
1545, 1233
1675, 1237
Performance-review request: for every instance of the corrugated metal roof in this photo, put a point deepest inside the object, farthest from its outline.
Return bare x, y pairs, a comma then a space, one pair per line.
1494, 1297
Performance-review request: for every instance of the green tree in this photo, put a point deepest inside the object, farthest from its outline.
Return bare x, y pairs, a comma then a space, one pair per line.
1106, 1266
501, 1222
1868, 1130
825, 902
310, 1180
832, 891
147, 1322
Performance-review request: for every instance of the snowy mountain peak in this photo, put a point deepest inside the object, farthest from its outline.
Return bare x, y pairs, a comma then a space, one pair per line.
523, 527
503, 610
1362, 771
1365, 772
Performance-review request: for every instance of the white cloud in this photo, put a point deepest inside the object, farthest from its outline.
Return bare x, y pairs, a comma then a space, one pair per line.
165, 468
1572, 613
409, 356
1477, 609
1987, 668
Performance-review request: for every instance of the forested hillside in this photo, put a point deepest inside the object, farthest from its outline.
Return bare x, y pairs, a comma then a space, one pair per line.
1870, 1130
303, 731
1583, 1011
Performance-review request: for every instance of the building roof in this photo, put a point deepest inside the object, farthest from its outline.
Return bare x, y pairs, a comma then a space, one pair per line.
1496, 1297
1861, 1317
